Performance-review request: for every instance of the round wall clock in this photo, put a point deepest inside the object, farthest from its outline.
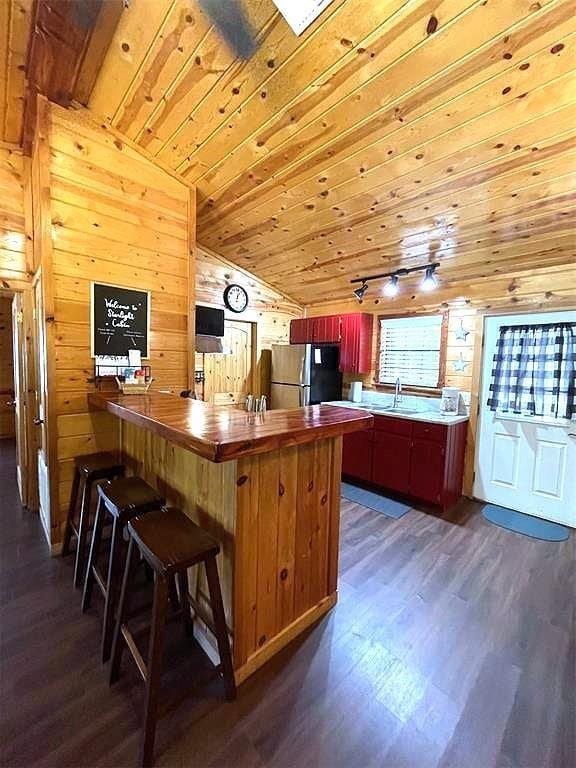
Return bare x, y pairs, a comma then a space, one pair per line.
235, 298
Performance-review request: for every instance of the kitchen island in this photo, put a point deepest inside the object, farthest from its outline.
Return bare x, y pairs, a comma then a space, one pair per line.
267, 486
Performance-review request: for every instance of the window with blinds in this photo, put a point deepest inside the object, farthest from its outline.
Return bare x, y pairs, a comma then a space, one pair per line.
411, 350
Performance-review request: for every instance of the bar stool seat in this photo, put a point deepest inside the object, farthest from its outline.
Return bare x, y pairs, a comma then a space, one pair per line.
122, 499
98, 465
170, 543
87, 471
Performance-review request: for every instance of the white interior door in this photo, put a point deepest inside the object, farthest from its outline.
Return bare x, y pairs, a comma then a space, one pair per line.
522, 462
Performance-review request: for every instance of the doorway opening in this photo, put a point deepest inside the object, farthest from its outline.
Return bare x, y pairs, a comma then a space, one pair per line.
7, 393
18, 390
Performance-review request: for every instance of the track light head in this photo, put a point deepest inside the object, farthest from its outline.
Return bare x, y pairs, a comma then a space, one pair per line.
429, 281
359, 292
392, 287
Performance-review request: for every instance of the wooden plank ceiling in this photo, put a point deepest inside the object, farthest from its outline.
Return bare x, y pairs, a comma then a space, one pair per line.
387, 135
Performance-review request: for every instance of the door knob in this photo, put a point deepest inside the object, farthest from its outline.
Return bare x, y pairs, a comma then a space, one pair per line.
37, 422
11, 403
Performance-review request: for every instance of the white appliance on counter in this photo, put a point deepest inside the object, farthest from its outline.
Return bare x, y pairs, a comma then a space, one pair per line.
450, 401
305, 374
355, 394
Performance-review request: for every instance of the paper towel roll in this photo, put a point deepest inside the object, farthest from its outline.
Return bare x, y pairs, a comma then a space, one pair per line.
355, 395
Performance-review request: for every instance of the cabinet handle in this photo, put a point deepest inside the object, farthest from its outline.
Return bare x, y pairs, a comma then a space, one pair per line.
38, 422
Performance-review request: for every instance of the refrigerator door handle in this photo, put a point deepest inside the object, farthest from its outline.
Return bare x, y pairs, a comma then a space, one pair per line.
306, 365
304, 396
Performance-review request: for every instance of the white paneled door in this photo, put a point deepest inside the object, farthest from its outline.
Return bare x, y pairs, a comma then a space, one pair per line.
522, 462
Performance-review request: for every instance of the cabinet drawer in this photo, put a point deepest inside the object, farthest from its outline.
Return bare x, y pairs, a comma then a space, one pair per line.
392, 425
429, 431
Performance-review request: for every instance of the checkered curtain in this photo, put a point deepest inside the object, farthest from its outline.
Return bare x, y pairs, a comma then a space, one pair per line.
534, 370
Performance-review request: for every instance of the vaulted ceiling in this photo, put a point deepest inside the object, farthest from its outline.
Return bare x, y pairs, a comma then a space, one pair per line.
389, 134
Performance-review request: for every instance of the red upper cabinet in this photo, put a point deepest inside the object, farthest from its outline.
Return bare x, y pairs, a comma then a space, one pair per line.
356, 342
301, 330
326, 329
353, 332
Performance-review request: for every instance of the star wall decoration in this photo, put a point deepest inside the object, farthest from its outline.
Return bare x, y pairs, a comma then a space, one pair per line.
461, 332
460, 365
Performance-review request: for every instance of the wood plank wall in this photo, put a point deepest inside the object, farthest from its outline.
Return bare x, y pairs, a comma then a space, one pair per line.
116, 218
13, 265
7, 423
269, 309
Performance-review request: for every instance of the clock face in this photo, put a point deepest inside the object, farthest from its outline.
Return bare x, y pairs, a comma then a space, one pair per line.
235, 298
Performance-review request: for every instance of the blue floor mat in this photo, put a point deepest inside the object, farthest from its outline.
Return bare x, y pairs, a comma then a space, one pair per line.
527, 525
375, 501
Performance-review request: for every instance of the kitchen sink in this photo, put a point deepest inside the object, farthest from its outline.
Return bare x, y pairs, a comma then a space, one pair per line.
386, 408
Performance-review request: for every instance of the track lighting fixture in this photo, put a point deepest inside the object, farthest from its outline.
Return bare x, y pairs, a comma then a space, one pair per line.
359, 292
429, 282
391, 288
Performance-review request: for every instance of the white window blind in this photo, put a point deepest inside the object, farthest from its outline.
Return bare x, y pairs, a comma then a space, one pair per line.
410, 350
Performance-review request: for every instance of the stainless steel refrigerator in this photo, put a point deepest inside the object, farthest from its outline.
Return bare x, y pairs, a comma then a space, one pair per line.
305, 374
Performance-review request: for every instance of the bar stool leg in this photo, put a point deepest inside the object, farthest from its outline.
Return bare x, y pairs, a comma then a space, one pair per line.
123, 611
112, 588
220, 626
82, 533
93, 558
154, 666
182, 579
71, 513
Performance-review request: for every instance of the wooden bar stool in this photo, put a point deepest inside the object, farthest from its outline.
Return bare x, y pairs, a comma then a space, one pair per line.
122, 499
87, 471
170, 543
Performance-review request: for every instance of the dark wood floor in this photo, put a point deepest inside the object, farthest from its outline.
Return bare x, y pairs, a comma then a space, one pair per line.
452, 645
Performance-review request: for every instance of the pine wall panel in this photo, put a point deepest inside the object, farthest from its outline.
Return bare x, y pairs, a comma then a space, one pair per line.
13, 265
115, 218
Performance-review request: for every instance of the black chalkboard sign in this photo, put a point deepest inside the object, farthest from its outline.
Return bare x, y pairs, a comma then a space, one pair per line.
120, 320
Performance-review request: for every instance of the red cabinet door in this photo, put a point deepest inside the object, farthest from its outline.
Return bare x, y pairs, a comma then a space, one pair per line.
349, 343
427, 470
301, 330
391, 461
327, 329
357, 455
356, 342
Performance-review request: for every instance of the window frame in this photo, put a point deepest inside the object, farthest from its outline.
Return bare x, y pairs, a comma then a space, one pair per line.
419, 388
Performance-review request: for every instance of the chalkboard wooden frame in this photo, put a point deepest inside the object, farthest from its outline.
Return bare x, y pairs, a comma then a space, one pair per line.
95, 350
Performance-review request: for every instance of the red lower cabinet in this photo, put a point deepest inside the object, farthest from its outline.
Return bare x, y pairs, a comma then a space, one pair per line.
427, 470
391, 461
418, 459
357, 455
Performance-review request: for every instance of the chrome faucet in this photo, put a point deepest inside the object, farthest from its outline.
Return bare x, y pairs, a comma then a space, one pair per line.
397, 392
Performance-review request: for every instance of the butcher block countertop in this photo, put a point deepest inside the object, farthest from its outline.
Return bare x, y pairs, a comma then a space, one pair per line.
221, 433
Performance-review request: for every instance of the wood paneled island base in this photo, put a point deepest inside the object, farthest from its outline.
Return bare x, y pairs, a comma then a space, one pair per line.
275, 506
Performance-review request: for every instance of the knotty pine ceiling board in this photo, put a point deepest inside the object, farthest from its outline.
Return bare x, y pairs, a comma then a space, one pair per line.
15, 22
387, 135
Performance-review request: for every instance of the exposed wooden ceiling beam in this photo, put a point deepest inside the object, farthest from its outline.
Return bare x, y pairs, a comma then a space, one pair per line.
68, 43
